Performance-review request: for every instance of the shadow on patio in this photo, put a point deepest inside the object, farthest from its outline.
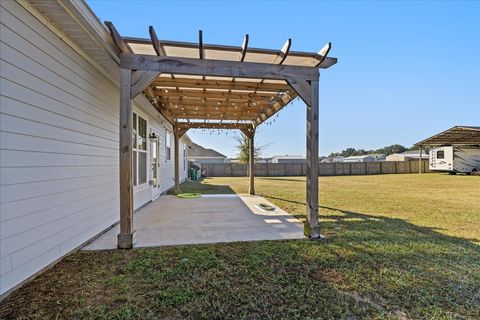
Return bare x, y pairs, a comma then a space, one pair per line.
370, 267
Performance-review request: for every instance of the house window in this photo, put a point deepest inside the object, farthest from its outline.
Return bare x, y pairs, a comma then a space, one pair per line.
168, 146
139, 150
184, 157
440, 154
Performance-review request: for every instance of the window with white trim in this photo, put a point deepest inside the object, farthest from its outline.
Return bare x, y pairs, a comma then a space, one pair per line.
184, 157
139, 150
168, 145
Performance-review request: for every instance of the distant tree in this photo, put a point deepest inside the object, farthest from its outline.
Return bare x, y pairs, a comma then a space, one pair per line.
394, 148
360, 152
243, 148
348, 152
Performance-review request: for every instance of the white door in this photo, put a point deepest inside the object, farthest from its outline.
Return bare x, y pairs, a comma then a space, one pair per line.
155, 165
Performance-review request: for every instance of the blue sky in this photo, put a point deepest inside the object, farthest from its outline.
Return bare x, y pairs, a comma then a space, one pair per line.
406, 70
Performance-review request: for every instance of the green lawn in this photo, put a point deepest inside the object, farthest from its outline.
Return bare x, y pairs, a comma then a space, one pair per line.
398, 246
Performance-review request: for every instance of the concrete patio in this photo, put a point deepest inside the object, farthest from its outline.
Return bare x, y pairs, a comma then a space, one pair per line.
210, 219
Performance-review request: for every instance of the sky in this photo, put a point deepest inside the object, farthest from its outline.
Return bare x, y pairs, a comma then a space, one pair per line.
406, 70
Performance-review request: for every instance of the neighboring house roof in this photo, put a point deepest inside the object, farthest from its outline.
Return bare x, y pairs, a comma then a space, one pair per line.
412, 152
408, 154
286, 156
197, 151
359, 157
458, 135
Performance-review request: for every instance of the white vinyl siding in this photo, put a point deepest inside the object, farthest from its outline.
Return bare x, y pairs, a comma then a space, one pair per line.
58, 148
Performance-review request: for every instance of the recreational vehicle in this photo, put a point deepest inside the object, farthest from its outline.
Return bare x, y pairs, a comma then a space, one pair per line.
455, 160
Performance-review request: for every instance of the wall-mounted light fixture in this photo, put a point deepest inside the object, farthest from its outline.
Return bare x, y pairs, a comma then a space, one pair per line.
152, 136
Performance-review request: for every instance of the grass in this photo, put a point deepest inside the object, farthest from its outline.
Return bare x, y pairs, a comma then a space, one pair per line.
399, 246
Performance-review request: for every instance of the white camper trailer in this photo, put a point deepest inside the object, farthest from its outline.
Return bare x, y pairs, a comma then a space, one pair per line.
455, 159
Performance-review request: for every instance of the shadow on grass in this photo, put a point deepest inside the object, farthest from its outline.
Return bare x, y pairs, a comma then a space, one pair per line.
204, 187
370, 267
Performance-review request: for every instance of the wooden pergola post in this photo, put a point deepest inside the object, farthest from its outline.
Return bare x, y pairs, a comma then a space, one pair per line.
125, 238
420, 149
308, 90
176, 159
311, 227
251, 162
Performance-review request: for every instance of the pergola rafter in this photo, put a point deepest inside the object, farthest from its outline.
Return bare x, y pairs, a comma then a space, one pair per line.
204, 86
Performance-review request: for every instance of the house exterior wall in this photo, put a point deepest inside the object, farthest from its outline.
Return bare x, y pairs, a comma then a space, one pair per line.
59, 148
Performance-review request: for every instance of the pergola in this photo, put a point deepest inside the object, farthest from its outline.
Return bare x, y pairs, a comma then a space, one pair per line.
205, 86
455, 136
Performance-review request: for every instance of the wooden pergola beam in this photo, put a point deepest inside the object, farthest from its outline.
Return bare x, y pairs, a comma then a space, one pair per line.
283, 53
117, 39
323, 53
142, 80
216, 68
243, 53
201, 115
282, 102
214, 125
157, 46
215, 95
217, 101
220, 85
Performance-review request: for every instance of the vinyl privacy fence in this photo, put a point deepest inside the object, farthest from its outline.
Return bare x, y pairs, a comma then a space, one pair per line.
324, 169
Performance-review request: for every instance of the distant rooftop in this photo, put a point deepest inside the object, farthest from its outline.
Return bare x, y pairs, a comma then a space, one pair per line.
197, 151
287, 156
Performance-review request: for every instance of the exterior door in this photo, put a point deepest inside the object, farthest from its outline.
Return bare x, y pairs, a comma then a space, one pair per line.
155, 165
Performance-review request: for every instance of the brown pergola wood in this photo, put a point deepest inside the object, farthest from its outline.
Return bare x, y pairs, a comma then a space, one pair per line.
251, 162
176, 152
214, 125
157, 46
189, 101
311, 226
141, 80
220, 85
125, 237
216, 68
283, 53
117, 39
327, 62
199, 115
154, 100
283, 101
249, 93
181, 132
232, 96
302, 88
244, 48
323, 53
